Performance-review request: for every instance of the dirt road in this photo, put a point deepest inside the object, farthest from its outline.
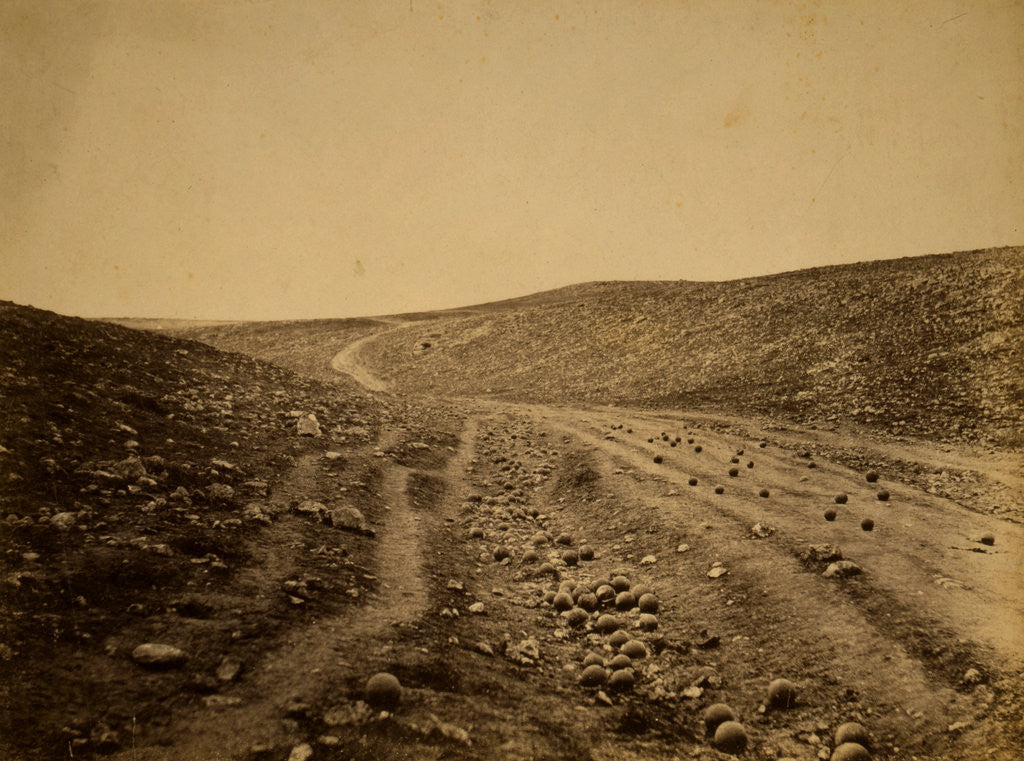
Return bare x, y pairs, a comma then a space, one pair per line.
713, 514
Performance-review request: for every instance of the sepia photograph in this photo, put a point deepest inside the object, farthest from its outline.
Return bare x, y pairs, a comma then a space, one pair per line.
597, 380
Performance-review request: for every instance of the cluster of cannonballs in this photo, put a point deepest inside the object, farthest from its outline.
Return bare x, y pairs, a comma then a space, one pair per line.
578, 601
867, 524
721, 723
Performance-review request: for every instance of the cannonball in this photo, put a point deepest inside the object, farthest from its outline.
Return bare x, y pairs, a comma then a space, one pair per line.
546, 569
851, 752
692, 482
698, 448
867, 524
605, 593
635, 649
586, 553
647, 622
549, 597
731, 737
625, 601
739, 451
618, 638
623, 679
648, 603
593, 659
563, 538
576, 617
830, 514
764, 493
840, 499
658, 459
566, 585
588, 601
871, 476
606, 624
763, 444
476, 532
883, 496
735, 460
988, 539
639, 590
540, 538
673, 444
781, 693
562, 601
593, 675
852, 732
750, 464
620, 583
620, 661
734, 472
383, 690
570, 557
719, 490
530, 556
501, 552
716, 714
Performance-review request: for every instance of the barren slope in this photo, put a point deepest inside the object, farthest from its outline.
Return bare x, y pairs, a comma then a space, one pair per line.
928, 346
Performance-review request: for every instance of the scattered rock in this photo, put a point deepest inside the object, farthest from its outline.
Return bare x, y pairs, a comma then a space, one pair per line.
308, 426
350, 519
229, 668
821, 553
842, 569
157, 655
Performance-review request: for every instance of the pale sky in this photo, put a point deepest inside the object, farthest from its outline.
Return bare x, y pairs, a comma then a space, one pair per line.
306, 158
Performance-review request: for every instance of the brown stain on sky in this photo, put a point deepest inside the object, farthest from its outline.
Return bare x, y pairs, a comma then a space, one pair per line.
235, 159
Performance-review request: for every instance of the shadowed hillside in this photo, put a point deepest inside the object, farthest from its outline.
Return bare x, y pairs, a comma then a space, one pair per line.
929, 346
135, 471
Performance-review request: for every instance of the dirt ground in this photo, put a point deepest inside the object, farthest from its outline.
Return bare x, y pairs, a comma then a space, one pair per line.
482, 512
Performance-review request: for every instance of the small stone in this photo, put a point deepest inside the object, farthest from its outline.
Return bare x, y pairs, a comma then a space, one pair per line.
157, 655
842, 569
477, 608
648, 560
302, 752
221, 701
229, 668
350, 519
63, 521
971, 677
308, 425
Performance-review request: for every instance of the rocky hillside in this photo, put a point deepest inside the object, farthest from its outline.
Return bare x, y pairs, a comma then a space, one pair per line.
141, 503
928, 346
